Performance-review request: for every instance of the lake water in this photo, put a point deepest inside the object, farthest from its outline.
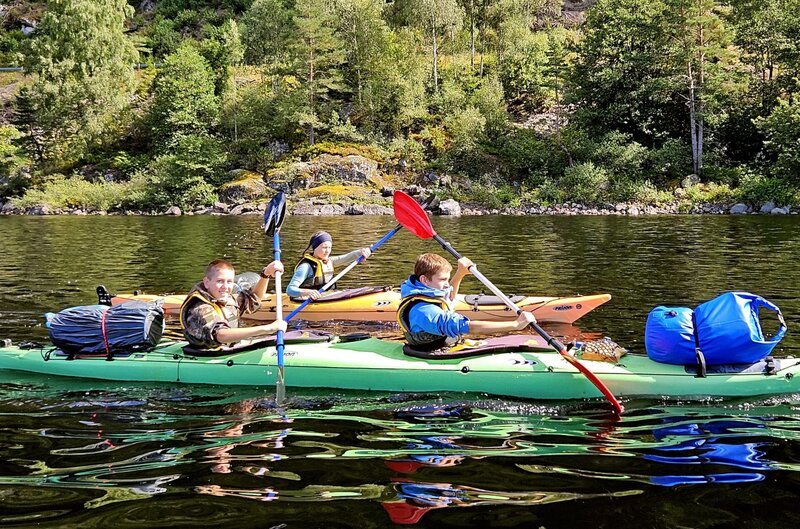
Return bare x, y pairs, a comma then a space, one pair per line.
89, 454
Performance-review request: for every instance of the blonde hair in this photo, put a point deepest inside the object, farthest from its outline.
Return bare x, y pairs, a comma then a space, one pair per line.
216, 265
429, 264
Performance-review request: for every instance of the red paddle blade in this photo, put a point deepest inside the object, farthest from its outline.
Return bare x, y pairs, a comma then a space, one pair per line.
412, 216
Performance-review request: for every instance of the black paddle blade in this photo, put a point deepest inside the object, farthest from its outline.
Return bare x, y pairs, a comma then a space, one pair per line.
275, 214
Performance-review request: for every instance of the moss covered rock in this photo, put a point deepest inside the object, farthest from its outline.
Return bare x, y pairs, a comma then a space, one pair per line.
244, 186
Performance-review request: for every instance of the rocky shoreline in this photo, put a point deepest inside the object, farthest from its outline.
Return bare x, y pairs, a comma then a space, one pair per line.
449, 207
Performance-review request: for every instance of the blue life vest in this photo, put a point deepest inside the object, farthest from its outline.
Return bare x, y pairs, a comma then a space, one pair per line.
726, 330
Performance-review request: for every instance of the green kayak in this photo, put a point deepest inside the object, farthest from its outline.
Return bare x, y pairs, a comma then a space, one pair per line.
514, 366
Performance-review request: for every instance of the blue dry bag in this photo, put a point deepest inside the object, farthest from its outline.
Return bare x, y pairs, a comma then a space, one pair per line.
132, 326
726, 330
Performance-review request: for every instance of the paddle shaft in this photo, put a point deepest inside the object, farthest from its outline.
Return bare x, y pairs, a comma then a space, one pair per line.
558, 346
280, 383
349, 267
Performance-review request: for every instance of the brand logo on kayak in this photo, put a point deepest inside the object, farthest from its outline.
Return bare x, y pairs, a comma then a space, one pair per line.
382, 303
563, 307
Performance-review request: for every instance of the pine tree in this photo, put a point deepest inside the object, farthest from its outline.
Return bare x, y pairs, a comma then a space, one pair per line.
83, 67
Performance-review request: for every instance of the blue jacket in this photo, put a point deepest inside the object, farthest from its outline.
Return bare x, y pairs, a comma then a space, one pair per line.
427, 317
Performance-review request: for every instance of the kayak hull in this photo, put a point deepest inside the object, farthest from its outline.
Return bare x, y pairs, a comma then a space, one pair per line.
380, 365
382, 307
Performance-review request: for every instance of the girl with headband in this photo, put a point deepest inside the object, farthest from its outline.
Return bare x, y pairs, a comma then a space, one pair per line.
316, 266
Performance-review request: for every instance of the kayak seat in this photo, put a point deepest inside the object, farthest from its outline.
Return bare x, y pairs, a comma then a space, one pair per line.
290, 337
339, 295
479, 300
517, 343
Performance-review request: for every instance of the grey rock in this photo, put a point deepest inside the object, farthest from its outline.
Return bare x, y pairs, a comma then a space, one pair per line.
739, 209
387, 191
244, 186
414, 190
41, 209
147, 6
450, 207
221, 207
173, 211
779, 211
690, 180
768, 207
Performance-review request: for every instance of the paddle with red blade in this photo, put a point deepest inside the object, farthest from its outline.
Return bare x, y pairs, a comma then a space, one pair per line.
409, 213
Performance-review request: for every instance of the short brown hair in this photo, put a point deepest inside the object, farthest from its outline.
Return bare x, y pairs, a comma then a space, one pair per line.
428, 264
218, 264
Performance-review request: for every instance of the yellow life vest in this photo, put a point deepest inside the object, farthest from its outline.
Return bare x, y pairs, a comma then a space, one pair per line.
421, 340
323, 272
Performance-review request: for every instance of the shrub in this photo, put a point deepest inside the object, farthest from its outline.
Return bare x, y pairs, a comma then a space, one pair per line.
75, 192
670, 162
531, 158
757, 189
585, 182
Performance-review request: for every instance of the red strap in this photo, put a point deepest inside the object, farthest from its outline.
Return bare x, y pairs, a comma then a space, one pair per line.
103, 327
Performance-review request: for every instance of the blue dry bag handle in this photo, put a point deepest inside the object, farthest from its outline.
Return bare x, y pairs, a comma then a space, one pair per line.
755, 303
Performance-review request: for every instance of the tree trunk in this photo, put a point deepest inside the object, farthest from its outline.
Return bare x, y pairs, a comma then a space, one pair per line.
435, 57
472, 34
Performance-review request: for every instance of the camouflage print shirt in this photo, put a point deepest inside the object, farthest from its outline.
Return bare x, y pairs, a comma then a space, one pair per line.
202, 316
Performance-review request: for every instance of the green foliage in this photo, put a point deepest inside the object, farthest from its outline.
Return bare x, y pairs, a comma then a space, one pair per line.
530, 157
489, 99
266, 31
12, 160
711, 193
82, 79
670, 162
782, 129
163, 37
757, 189
465, 129
186, 175
523, 68
318, 54
585, 183
183, 95
11, 47
222, 50
62, 193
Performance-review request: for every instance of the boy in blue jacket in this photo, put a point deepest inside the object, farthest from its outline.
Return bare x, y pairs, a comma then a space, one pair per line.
425, 314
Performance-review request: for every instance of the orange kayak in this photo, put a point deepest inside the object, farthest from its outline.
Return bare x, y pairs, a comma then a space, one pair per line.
380, 304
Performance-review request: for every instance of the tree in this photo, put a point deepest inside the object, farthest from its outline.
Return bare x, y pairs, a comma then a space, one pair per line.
318, 54
618, 81
82, 64
700, 59
267, 30
437, 16
183, 95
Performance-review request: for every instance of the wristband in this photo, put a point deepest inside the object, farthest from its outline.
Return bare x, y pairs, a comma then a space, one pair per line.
262, 274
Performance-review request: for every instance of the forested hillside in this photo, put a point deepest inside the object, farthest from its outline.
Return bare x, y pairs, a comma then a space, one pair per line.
144, 105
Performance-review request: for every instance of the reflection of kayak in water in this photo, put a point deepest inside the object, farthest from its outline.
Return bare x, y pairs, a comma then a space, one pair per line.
380, 304
515, 366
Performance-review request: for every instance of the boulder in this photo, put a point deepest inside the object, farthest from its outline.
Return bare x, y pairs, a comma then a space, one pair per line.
221, 207
690, 180
368, 209
450, 207
779, 211
739, 209
173, 211
768, 207
244, 186
41, 209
